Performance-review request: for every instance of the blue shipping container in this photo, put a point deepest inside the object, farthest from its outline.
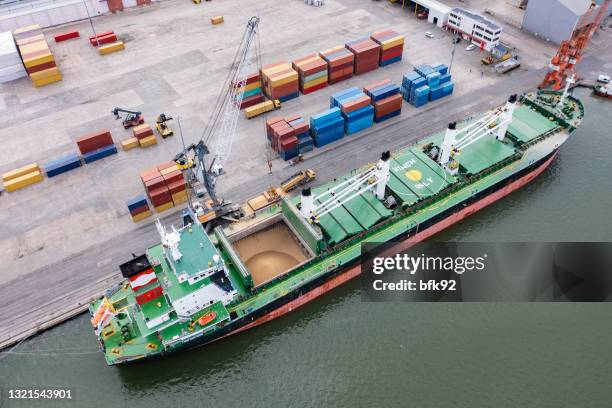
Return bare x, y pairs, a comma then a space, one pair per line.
391, 61
137, 202
445, 78
289, 97
387, 116
441, 68
100, 153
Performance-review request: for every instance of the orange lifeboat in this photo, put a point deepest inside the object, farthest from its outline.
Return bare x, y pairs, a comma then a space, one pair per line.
207, 318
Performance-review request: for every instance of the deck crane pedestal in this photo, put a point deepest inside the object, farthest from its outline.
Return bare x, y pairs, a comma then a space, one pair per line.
570, 51
218, 135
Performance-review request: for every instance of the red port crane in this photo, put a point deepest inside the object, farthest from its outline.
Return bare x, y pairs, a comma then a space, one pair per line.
570, 51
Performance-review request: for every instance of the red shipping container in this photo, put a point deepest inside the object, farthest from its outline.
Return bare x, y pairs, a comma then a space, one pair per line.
311, 89
156, 183
377, 84
105, 33
289, 143
301, 128
149, 174
149, 295
176, 175
166, 165
41, 67
142, 133
358, 103
177, 186
94, 141
251, 100
66, 36
139, 210
106, 39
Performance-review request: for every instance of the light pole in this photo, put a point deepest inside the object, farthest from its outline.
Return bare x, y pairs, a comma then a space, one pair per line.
450, 66
91, 22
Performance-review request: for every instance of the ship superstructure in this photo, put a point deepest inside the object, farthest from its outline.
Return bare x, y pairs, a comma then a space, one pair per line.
195, 287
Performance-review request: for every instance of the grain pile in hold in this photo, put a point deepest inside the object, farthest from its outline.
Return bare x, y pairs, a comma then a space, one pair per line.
282, 138
280, 81
386, 99
340, 63
11, 67
366, 54
327, 127
36, 55
312, 71
391, 46
22, 177
252, 92
356, 109
62, 165
139, 208
96, 146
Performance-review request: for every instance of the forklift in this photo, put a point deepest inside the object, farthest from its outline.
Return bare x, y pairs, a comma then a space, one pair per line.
132, 118
162, 126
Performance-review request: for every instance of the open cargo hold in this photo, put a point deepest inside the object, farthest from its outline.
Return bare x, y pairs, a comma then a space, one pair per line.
312, 71
62, 165
11, 67
426, 83
355, 108
386, 99
139, 208
280, 81
340, 63
391, 46
252, 91
327, 127
36, 56
366, 54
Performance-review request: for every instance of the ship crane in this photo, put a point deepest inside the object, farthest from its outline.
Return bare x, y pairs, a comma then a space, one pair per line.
220, 131
570, 51
495, 122
314, 207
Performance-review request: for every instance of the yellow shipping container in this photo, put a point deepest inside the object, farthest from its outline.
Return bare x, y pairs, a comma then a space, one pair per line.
129, 144
252, 86
315, 82
169, 170
284, 79
164, 207
45, 73
258, 109
34, 61
216, 19
179, 198
34, 46
23, 181
46, 81
141, 216
109, 48
393, 42
148, 141
13, 174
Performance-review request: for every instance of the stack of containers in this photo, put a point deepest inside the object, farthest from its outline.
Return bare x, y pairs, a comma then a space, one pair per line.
156, 189
139, 208
253, 93
356, 109
62, 165
414, 89
366, 52
144, 134
445, 79
174, 180
301, 130
96, 146
22, 177
340, 63
427, 83
11, 67
386, 99
282, 138
280, 81
391, 46
312, 71
327, 127
36, 55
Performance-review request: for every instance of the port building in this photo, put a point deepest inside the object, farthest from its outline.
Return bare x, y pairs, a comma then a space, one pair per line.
480, 30
555, 20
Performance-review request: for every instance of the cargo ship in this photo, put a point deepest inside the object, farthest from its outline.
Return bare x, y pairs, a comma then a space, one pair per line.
199, 285
603, 90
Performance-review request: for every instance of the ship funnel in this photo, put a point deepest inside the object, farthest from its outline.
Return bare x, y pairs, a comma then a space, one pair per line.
448, 143
307, 203
382, 174
506, 117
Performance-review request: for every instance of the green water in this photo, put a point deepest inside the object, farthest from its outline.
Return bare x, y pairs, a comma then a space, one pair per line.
337, 351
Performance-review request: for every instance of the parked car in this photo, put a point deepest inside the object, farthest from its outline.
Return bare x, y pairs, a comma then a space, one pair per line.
470, 47
604, 79
456, 40
429, 35
422, 15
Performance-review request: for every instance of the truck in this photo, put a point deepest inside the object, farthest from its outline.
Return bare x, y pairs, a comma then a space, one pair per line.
261, 108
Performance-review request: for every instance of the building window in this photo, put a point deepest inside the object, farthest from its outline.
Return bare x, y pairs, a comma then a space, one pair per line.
489, 32
487, 38
477, 34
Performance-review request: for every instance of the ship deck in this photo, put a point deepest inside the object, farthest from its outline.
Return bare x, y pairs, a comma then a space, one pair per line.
527, 124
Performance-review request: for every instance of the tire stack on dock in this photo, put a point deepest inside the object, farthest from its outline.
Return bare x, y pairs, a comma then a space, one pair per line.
139, 208
312, 71
426, 84
327, 127
252, 92
366, 52
11, 67
391, 46
386, 99
280, 81
355, 108
62, 165
96, 146
340, 63
22, 177
36, 55
282, 138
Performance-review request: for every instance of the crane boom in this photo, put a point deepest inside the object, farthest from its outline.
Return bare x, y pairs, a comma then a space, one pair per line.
570, 51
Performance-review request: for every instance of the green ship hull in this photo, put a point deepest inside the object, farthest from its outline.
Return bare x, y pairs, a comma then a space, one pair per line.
197, 287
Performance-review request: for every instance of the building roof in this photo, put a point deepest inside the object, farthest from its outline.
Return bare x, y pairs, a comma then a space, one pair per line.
578, 7
434, 4
477, 17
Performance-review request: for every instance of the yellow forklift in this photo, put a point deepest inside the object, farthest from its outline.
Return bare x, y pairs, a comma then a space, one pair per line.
162, 126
